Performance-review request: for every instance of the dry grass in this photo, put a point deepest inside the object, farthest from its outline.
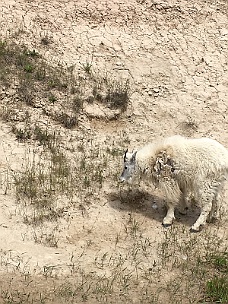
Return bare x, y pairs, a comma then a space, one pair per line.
63, 177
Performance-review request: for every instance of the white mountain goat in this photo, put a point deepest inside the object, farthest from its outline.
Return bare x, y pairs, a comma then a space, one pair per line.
182, 168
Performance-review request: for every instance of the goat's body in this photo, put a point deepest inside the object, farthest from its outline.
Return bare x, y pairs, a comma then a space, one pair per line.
183, 167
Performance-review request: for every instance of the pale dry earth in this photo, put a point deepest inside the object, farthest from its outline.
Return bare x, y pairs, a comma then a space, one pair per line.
175, 55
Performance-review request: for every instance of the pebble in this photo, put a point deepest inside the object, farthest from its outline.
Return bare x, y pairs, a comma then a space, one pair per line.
224, 31
154, 206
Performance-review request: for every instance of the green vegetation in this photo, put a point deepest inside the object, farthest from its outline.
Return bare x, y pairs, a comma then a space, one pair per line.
217, 289
217, 285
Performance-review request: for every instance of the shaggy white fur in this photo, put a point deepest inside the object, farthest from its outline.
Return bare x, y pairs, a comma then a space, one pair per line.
182, 168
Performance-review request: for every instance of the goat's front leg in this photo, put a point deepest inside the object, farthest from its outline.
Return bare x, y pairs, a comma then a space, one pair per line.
169, 218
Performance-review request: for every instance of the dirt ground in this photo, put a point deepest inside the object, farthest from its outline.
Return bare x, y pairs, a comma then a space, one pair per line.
175, 55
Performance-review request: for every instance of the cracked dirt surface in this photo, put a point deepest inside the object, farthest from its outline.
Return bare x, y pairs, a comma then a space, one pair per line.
174, 54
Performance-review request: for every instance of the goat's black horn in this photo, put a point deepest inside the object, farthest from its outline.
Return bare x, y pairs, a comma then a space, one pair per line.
125, 154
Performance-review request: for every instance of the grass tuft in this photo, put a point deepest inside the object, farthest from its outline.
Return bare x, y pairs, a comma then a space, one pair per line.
217, 289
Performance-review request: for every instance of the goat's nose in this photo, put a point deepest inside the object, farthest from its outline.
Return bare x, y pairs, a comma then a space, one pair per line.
121, 179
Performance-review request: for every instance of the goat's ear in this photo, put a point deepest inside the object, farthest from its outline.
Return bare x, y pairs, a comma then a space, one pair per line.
167, 159
134, 155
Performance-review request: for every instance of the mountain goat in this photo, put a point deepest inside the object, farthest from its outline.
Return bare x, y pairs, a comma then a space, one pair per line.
182, 168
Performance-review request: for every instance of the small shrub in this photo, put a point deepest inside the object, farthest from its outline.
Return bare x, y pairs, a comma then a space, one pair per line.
22, 135
45, 40
44, 138
52, 98
77, 104
113, 94
68, 121
87, 67
28, 68
2, 48
118, 95
38, 183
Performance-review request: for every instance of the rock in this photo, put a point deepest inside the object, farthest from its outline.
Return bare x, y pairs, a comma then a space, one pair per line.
224, 31
98, 110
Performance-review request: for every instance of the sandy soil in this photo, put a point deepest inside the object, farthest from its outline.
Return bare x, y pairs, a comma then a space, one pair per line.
175, 55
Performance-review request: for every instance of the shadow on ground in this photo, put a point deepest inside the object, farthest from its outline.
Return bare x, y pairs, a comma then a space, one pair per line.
151, 206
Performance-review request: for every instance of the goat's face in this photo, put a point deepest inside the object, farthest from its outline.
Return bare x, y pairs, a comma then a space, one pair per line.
129, 166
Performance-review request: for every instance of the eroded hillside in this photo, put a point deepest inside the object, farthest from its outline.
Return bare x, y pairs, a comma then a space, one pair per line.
80, 81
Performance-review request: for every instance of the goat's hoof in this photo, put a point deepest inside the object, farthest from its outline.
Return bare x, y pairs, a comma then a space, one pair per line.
166, 225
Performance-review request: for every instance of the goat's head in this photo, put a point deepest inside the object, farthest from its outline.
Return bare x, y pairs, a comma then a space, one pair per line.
129, 166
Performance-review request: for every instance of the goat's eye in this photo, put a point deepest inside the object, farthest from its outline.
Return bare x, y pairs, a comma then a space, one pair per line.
125, 167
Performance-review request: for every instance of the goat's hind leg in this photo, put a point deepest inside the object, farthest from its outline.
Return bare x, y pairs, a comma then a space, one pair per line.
216, 207
206, 202
217, 201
